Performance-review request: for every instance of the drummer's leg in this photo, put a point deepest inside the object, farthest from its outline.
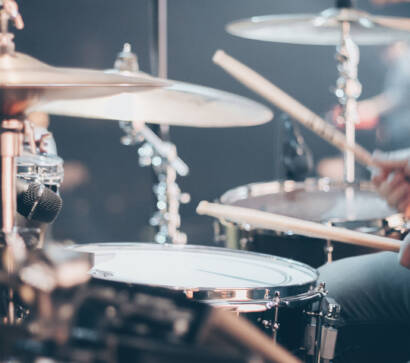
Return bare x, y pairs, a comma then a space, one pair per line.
374, 294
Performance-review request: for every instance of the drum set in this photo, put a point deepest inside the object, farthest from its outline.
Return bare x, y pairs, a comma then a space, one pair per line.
258, 288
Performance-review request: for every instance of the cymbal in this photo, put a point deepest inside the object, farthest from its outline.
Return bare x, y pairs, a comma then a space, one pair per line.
323, 28
181, 104
25, 81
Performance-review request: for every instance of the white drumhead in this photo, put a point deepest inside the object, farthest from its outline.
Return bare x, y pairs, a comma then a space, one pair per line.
188, 267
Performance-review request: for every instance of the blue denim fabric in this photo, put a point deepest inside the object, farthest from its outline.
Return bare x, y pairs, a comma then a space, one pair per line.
374, 294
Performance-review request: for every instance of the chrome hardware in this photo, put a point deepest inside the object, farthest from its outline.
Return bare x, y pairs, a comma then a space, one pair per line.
348, 90
331, 321
163, 158
126, 60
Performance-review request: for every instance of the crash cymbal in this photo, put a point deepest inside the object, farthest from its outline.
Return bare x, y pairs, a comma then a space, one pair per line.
25, 81
181, 104
323, 28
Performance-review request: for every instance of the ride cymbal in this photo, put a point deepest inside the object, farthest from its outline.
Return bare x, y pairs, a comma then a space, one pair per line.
323, 28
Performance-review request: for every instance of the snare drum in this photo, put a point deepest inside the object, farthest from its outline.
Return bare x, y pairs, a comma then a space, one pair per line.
270, 291
355, 207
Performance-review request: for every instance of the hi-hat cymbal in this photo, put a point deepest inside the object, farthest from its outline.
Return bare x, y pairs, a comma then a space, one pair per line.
25, 81
323, 28
181, 104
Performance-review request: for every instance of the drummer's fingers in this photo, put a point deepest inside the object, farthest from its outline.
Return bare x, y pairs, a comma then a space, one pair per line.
407, 168
399, 193
404, 204
389, 165
404, 255
380, 177
387, 186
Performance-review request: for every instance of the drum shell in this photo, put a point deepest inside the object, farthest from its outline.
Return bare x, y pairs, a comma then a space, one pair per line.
301, 248
291, 319
116, 262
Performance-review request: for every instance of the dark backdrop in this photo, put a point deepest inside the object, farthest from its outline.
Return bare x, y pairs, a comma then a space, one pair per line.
116, 201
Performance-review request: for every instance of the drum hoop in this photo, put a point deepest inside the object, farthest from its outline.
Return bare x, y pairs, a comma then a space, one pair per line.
261, 293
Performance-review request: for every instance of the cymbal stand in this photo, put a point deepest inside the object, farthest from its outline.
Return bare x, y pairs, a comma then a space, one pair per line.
11, 143
159, 46
162, 156
348, 90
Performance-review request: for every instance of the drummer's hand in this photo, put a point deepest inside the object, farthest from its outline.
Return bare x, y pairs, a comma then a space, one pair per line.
384, 2
404, 255
392, 182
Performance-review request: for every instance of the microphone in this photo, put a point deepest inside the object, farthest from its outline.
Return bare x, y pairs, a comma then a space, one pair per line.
296, 156
36, 202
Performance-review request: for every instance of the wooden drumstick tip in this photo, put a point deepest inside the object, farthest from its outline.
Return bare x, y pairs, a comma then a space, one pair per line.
202, 206
219, 54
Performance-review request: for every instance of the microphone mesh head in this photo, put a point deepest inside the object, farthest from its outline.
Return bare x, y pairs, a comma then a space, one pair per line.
48, 205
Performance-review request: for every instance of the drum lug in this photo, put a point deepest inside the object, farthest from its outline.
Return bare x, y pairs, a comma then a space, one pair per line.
274, 304
329, 331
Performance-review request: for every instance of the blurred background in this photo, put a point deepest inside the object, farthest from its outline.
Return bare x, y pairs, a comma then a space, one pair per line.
110, 198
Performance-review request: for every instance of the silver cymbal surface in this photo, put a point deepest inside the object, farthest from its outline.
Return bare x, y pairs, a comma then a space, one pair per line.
25, 81
323, 28
181, 104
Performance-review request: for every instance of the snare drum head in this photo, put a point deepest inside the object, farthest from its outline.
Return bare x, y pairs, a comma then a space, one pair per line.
199, 268
313, 200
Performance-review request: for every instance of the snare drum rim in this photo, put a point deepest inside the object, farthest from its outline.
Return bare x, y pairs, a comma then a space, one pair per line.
261, 294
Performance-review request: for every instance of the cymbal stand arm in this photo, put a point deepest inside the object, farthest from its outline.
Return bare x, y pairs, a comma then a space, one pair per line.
162, 156
348, 90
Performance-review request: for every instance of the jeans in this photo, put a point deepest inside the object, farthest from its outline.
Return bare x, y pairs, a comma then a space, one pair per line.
374, 293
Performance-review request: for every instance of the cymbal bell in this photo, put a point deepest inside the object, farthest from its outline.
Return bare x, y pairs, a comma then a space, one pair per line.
323, 28
25, 82
180, 104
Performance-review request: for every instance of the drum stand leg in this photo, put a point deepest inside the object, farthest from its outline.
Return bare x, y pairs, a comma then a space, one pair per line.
11, 141
273, 324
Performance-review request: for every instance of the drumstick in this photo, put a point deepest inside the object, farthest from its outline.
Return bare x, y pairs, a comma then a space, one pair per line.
288, 104
246, 335
282, 223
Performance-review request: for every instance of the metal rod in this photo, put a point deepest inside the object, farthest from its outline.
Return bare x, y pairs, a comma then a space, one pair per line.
159, 47
9, 148
328, 249
348, 91
162, 38
10, 144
